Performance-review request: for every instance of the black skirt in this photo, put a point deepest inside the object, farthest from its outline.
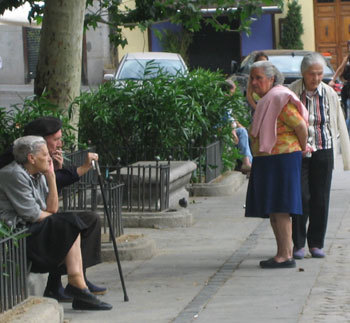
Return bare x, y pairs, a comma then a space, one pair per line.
50, 240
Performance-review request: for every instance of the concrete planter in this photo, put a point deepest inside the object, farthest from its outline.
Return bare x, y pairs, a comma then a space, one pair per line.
179, 178
225, 185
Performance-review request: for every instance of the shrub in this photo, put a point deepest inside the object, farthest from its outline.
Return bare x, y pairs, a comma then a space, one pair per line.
162, 112
292, 27
12, 122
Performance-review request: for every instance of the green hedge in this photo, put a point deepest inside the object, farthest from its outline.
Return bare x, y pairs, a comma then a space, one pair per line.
161, 112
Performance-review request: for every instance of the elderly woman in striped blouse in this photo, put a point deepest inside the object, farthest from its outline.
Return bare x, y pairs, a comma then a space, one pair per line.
326, 121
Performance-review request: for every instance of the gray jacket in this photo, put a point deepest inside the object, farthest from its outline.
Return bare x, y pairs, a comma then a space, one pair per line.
337, 121
22, 198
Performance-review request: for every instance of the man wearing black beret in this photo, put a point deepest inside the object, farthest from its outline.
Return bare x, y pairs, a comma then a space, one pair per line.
50, 129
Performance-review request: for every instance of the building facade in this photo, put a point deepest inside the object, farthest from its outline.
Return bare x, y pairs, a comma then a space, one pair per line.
326, 29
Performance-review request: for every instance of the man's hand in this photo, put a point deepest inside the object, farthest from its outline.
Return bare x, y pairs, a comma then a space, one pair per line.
87, 164
57, 157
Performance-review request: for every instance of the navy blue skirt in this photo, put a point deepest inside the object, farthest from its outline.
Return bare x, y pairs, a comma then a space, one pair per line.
274, 185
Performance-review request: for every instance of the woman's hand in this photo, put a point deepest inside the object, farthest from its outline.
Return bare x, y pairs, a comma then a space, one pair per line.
235, 137
249, 95
308, 151
52, 197
50, 173
43, 215
302, 134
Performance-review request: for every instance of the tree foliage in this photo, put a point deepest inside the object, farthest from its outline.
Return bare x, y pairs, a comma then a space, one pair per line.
118, 14
292, 27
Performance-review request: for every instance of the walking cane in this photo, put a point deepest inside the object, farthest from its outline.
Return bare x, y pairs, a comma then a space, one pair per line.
96, 167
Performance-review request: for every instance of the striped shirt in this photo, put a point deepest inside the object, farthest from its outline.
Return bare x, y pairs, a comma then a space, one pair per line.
318, 106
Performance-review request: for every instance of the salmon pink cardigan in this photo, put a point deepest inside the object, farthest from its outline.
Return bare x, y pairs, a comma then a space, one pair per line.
269, 107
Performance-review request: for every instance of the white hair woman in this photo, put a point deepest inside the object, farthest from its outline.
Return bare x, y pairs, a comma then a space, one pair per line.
326, 120
278, 136
28, 196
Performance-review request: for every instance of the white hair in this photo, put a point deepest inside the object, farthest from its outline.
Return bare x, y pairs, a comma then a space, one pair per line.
270, 70
312, 59
26, 145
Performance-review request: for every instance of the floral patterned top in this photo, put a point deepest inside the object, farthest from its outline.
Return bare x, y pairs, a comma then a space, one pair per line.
287, 140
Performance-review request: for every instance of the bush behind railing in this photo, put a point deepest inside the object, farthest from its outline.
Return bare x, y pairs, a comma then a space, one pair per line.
161, 113
13, 120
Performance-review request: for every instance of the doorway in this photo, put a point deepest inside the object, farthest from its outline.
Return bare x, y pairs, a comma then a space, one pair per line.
332, 28
214, 50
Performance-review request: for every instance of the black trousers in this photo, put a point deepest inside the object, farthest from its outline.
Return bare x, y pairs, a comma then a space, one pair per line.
316, 178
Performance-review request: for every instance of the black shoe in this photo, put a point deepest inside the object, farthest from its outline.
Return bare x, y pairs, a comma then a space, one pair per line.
81, 294
86, 306
58, 294
272, 263
97, 290
83, 299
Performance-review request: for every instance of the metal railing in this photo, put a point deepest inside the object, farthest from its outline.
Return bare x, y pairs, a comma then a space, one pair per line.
146, 185
208, 158
77, 158
87, 196
213, 162
13, 270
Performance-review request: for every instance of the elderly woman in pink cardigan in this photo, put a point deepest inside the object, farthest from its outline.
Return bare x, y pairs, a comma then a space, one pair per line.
278, 137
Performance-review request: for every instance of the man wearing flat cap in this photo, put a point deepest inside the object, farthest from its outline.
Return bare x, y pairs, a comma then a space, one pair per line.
50, 129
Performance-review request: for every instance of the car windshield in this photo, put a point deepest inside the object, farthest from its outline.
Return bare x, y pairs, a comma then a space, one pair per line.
135, 69
291, 64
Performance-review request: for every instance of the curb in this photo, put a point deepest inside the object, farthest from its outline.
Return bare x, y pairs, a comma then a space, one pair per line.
130, 247
34, 310
158, 220
36, 283
225, 185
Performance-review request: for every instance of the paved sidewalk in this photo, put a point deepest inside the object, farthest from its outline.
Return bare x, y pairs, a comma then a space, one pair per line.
209, 272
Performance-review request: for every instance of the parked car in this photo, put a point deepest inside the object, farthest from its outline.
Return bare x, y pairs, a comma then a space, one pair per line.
287, 61
133, 66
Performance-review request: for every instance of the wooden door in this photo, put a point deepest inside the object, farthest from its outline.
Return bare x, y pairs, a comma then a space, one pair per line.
332, 28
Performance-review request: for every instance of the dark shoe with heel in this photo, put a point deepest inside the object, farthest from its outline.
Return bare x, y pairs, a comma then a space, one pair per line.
272, 263
83, 299
96, 290
85, 306
245, 169
58, 294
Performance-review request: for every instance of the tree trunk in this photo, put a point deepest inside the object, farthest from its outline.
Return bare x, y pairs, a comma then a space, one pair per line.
59, 65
